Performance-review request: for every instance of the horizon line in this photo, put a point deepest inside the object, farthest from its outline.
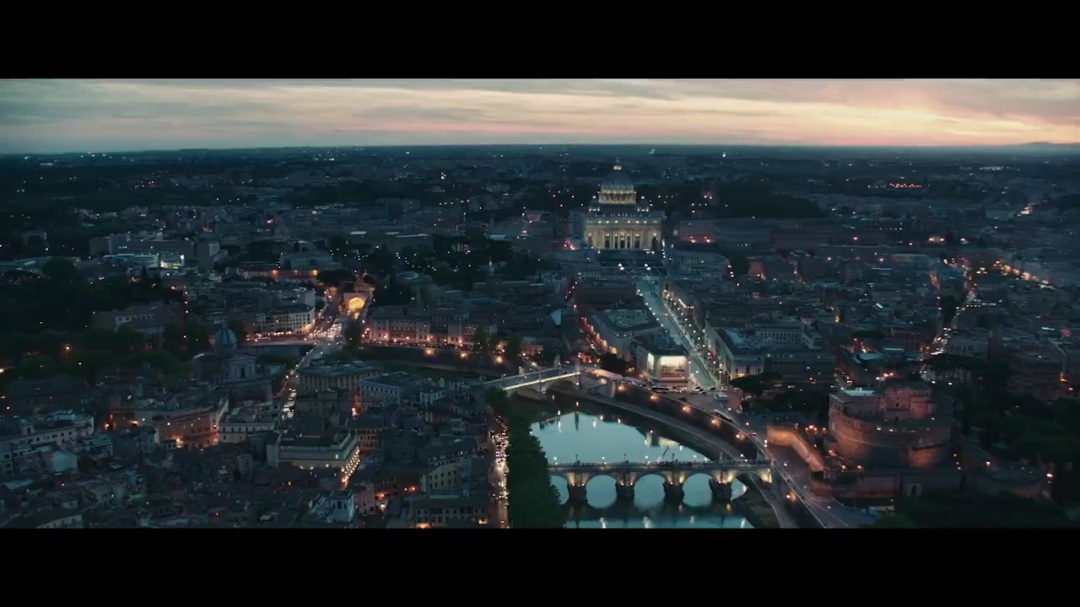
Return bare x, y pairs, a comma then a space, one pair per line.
505, 144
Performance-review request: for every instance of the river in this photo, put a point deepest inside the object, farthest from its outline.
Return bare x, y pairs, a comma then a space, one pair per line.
587, 434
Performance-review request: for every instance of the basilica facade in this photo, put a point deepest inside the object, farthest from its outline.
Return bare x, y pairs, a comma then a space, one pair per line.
230, 368
618, 220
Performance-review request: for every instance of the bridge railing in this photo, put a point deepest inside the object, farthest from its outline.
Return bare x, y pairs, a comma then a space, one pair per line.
531, 377
732, 465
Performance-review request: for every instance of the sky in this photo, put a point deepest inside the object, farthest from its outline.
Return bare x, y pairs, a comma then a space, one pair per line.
52, 116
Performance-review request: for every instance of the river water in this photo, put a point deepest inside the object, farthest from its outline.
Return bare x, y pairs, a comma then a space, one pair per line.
586, 434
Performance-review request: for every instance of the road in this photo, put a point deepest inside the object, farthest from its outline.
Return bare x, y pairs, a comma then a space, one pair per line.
331, 341
502, 515
699, 369
795, 471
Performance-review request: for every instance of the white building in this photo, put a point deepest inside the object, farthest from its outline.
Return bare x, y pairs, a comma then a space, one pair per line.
388, 388
238, 425
297, 318
335, 376
617, 220
340, 450
617, 328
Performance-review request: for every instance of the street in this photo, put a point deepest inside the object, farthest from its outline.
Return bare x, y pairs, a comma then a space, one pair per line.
788, 463
699, 370
329, 341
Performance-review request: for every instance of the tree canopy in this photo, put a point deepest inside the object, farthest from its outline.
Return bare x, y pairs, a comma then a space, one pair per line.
533, 499
756, 384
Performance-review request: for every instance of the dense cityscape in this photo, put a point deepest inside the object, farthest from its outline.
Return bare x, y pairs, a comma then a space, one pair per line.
541, 336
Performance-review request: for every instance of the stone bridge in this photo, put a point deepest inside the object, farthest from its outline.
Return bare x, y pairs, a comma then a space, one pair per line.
540, 380
627, 474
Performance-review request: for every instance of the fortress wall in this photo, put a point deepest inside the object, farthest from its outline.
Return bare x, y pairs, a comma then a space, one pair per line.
904, 446
787, 436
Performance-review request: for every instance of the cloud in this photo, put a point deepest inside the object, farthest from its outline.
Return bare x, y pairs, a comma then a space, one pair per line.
44, 115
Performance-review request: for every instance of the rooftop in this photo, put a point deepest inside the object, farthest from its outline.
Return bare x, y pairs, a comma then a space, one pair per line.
628, 318
400, 379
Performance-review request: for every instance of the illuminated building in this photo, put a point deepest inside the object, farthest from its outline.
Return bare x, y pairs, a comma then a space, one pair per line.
618, 220
228, 367
661, 360
339, 450
187, 419
901, 426
335, 376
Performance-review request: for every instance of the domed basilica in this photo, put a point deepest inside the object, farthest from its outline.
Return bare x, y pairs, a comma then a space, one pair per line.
618, 220
229, 368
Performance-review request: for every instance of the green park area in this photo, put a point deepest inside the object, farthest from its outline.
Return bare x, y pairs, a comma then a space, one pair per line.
46, 326
533, 499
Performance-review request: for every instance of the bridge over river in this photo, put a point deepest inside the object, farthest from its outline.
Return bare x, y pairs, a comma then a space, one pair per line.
541, 379
627, 474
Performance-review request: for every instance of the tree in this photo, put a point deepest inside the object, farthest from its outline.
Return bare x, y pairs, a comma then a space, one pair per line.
37, 367
533, 499
949, 305
513, 348
739, 265
60, 270
237, 327
756, 384
547, 356
172, 338
196, 336
92, 362
353, 333
334, 278
894, 521
392, 293
128, 341
481, 340
611, 362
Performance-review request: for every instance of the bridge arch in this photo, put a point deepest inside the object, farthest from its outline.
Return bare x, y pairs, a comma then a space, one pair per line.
560, 484
601, 491
698, 488
649, 490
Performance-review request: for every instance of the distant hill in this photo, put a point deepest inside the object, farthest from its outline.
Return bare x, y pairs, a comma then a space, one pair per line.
1042, 145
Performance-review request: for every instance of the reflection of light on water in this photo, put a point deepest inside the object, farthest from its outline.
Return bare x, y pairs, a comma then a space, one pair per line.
621, 441
603, 523
744, 524
558, 427
646, 522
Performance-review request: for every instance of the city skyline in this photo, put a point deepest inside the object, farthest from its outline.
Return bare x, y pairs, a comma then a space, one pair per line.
54, 116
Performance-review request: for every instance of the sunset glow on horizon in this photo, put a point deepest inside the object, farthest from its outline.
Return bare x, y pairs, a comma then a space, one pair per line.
50, 116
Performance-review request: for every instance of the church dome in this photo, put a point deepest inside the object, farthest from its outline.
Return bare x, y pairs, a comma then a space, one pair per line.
617, 182
225, 338
617, 188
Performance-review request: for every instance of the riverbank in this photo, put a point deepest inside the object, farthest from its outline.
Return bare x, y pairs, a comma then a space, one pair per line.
692, 437
533, 502
754, 507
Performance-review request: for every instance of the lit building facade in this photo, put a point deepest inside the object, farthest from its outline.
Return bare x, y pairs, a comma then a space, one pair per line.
900, 426
340, 451
618, 220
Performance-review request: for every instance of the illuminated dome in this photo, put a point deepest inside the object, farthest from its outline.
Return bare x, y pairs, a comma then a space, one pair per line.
225, 339
617, 188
